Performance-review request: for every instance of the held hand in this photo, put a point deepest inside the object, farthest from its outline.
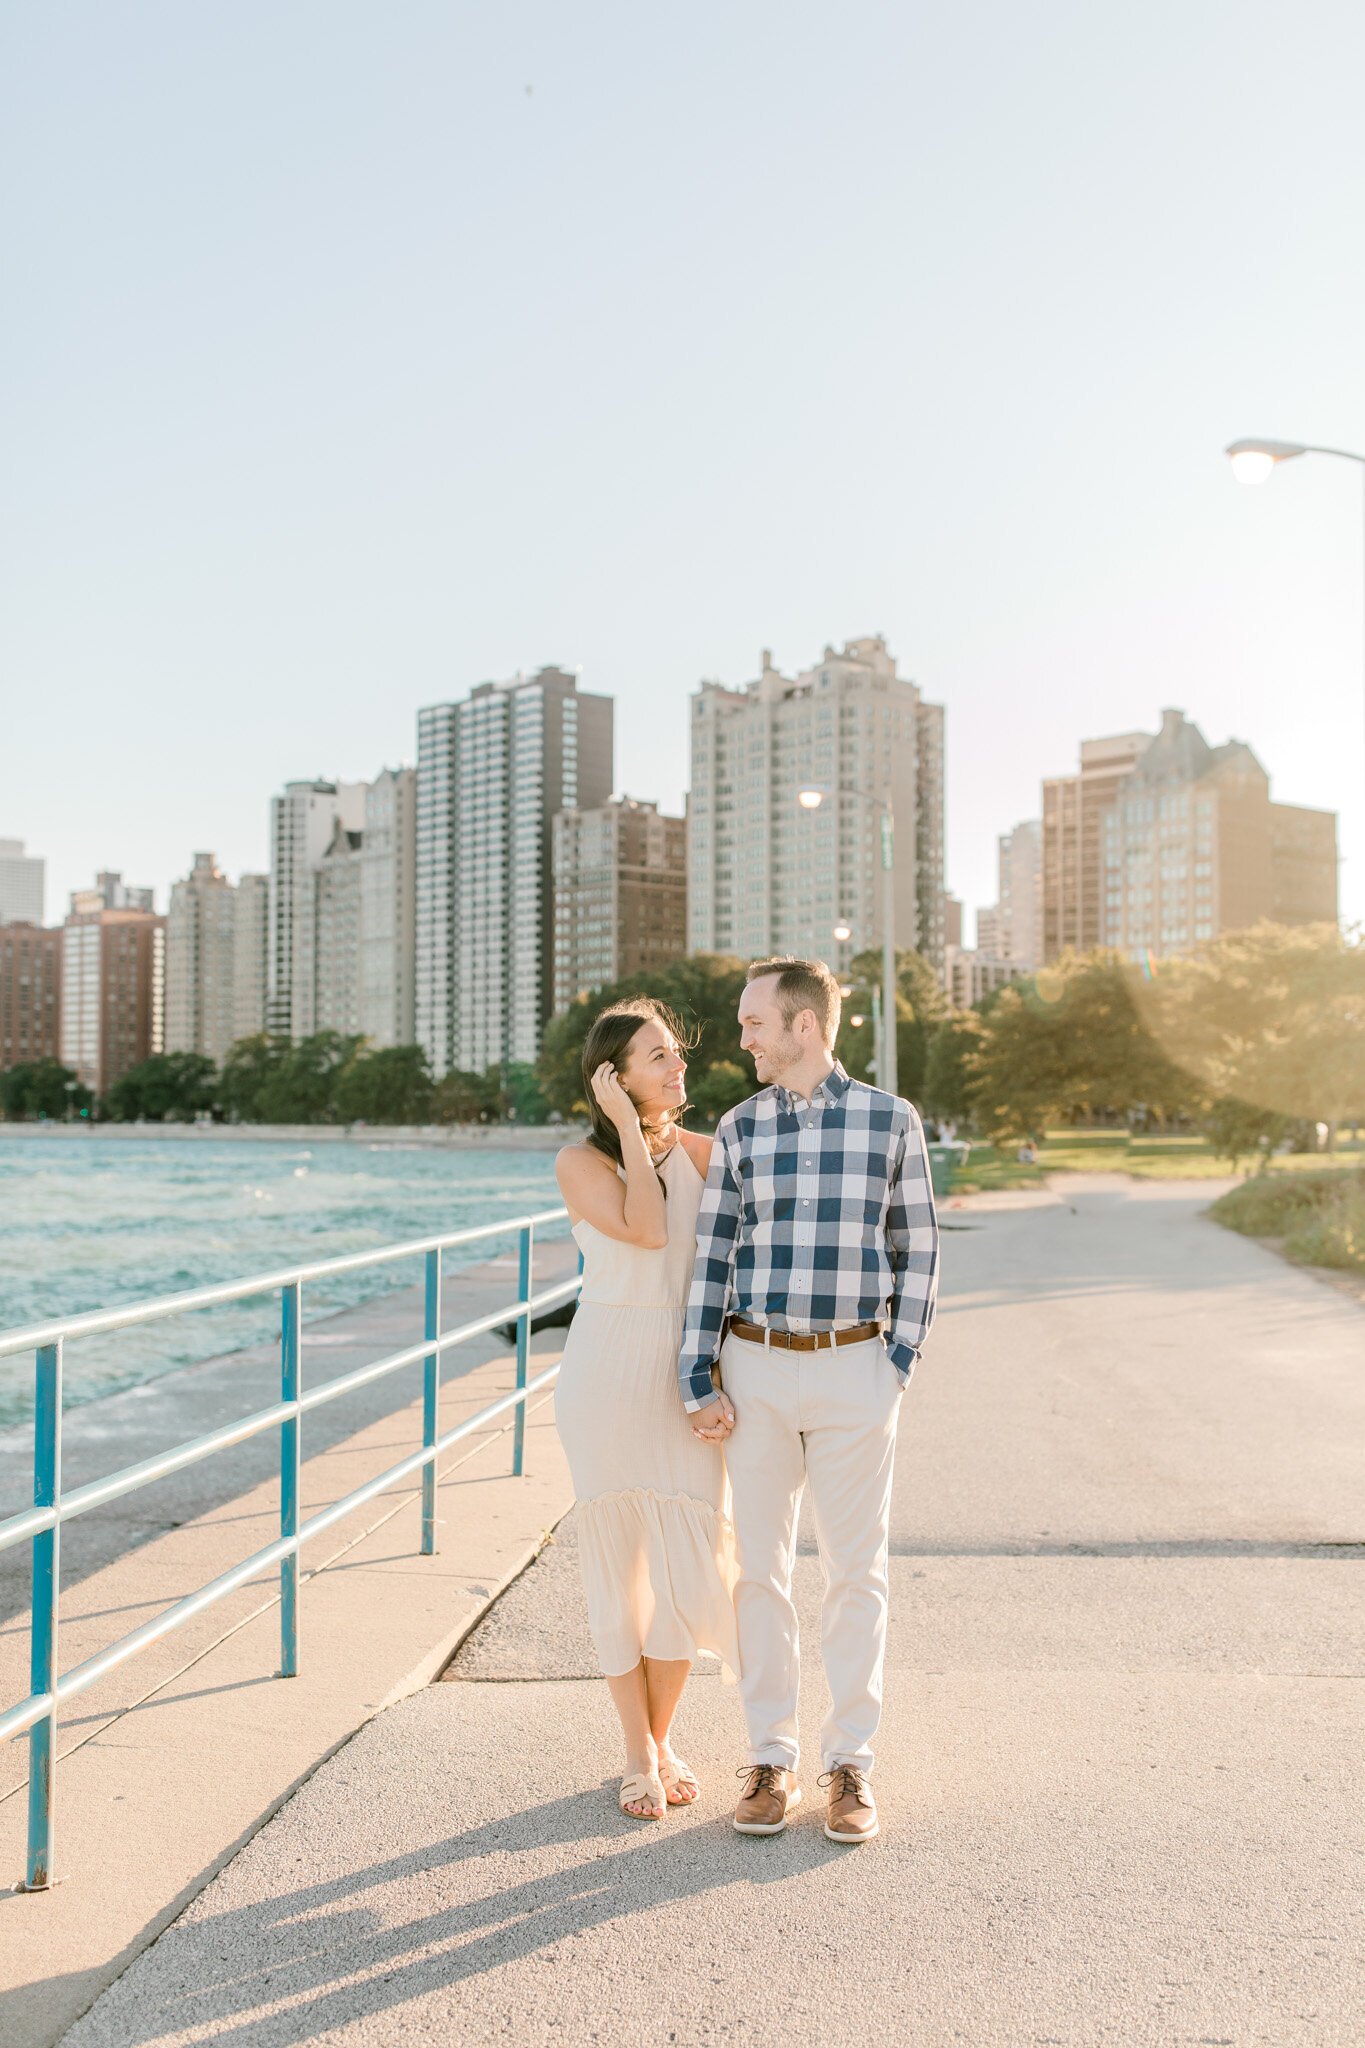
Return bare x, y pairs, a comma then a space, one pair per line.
612, 1097
713, 1423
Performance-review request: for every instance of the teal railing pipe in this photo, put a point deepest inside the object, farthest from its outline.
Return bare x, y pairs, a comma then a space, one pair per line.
41, 1525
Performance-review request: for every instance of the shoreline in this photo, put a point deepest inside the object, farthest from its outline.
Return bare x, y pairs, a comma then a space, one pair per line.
441, 1137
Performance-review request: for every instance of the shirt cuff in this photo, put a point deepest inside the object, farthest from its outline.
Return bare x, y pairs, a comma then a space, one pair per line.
904, 1357
698, 1390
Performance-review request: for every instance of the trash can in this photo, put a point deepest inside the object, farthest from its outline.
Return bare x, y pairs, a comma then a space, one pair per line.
943, 1160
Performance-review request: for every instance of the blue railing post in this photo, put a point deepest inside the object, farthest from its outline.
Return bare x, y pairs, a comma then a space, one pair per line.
290, 1432
431, 1384
523, 1350
47, 1493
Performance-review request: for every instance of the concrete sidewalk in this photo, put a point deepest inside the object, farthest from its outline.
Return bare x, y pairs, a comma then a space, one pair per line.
173, 1760
1119, 1764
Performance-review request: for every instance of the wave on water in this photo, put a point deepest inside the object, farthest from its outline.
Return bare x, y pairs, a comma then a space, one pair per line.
104, 1224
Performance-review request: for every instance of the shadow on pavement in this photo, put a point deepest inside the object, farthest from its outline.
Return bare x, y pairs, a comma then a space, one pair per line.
314, 1944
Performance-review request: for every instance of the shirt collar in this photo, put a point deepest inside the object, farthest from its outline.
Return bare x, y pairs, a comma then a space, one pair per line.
834, 1086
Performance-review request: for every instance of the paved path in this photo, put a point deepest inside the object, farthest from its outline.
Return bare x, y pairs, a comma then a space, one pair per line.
1118, 1763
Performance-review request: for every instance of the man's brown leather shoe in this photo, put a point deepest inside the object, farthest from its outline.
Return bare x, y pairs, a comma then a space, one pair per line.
852, 1815
768, 1797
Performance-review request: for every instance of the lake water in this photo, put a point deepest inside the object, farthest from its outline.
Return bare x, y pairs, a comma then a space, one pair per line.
100, 1223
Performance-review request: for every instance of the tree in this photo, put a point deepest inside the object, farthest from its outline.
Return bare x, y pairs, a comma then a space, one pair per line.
949, 1074
1070, 1043
1274, 1015
42, 1088
1237, 1130
703, 991
249, 1064
720, 1087
920, 1004
300, 1087
520, 1097
175, 1085
461, 1098
390, 1084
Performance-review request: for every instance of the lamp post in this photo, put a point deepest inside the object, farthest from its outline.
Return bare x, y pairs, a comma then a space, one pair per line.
1253, 461
811, 799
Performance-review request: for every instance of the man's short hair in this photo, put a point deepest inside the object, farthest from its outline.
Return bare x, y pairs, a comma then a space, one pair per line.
802, 985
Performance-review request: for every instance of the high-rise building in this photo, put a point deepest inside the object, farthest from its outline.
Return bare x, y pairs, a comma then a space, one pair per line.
21, 884
250, 955
327, 981
970, 974
388, 908
303, 824
1009, 929
1072, 906
620, 894
201, 962
1177, 846
767, 875
113, 987
110, 892
30, 992
952, 920
492, 770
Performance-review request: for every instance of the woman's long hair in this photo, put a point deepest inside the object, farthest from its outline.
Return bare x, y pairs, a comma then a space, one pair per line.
609, 1038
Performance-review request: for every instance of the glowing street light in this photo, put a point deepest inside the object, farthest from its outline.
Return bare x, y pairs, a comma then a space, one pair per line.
1254, 460
843, 933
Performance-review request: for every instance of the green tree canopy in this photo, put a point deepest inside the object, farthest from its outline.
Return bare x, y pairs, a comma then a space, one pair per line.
42, 1088
301, 1088
1274, 1015
949, 1071
1070, 1042
389, 1084
246, 1068
461, 1098
178, 1085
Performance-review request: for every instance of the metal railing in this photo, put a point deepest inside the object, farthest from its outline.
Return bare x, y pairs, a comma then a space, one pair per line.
41, 1524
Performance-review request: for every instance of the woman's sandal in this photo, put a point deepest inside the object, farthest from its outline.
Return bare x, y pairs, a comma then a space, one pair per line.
644, 1786
673, 1776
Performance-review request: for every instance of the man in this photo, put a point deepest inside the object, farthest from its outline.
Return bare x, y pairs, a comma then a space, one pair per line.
817, 1263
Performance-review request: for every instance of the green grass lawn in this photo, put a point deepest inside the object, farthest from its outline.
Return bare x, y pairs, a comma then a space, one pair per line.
1147, 1156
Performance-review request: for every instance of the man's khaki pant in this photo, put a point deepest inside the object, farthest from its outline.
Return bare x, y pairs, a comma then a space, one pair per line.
828, 1417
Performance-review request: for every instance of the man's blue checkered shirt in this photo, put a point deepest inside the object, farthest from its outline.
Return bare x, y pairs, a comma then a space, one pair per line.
815, 1217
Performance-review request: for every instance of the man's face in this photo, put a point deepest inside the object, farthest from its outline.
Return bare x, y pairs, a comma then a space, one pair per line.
771, 1044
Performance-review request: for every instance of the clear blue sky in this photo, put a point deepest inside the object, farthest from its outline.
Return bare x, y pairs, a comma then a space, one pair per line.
342, 371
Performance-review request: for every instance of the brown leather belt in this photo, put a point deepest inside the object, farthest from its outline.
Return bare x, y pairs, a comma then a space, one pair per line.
803, 1340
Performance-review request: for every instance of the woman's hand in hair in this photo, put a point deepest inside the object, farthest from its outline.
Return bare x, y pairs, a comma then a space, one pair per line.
613, 1099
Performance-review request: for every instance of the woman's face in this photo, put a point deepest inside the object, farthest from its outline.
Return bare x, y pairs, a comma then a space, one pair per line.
654, 1070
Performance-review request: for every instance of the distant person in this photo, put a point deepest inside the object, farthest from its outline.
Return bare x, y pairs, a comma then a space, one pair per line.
655, 1537
817, 1264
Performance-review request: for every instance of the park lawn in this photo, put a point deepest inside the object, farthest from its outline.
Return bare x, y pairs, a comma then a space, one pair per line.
1143, 1155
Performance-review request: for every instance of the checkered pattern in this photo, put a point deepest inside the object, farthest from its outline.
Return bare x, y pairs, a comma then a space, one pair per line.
814, 1218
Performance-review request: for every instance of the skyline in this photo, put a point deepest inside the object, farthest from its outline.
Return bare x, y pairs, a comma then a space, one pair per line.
777, 332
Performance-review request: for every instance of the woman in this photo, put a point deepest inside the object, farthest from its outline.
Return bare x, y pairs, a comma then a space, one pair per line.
655, 1539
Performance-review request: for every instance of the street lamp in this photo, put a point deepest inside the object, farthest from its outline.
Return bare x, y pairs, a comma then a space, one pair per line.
810, 798
1253, 461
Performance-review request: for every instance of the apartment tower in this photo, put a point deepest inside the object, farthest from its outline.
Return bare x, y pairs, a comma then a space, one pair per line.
620, 895
767, 875
492, 770
113, 982
201, 962
1180, 844
30, 992
21, 884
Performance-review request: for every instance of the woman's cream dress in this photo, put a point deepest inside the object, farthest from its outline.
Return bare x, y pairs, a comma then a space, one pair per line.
655, 1539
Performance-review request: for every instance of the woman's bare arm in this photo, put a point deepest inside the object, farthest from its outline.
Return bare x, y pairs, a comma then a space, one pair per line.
631, 1211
